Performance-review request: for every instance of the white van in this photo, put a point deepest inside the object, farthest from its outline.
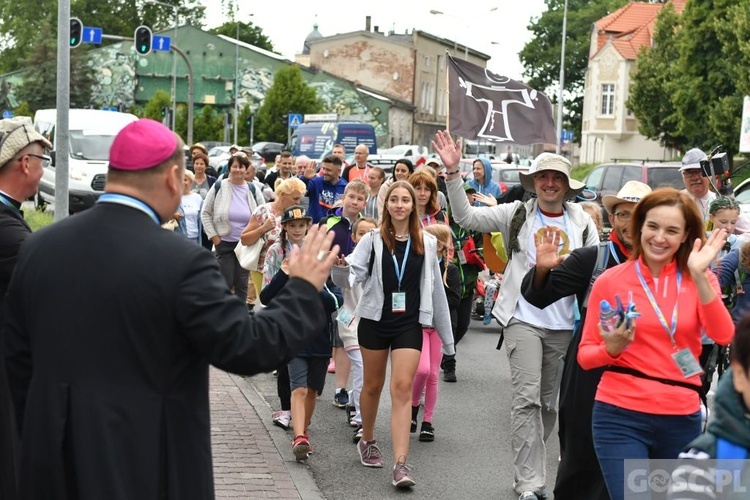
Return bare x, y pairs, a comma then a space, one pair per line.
91, 134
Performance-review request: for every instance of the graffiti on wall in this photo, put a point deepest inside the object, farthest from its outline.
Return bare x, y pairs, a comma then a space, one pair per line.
114, 70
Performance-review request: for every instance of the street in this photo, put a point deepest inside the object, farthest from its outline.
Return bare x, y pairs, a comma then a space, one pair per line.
470, 457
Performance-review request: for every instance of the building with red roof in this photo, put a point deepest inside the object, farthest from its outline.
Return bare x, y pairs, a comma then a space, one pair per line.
609, 130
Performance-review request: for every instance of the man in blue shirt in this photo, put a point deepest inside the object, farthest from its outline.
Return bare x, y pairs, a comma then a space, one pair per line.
323, 192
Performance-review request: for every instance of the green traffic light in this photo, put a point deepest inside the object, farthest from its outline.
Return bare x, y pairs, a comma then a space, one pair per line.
73, 41
143, 48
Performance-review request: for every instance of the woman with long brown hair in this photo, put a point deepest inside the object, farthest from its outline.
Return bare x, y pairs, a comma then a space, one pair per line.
402, 286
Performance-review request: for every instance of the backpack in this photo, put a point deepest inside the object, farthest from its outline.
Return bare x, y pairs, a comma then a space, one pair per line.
217, 186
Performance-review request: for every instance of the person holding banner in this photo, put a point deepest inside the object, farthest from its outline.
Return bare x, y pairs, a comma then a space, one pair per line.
536, 339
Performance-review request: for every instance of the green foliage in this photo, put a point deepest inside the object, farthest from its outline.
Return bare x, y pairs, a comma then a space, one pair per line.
654, 82
289, 93
21, 21
23, 110
39, 89
541, 55
154, 106
248, 33
208, 125
38, 219
580, 171
687, 90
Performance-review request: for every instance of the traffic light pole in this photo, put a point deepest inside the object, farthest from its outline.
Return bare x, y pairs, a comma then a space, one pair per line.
191, 83
62, 144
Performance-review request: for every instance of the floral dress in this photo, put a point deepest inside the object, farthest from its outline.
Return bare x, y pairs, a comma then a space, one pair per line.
260, 215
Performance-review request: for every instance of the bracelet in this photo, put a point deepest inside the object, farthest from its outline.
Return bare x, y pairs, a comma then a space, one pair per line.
453, 173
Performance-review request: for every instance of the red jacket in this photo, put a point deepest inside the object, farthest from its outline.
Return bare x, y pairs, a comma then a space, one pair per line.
651, 350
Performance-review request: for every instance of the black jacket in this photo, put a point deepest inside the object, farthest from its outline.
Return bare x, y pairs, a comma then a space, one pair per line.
578, 474
13, 231
332, 300
111, 326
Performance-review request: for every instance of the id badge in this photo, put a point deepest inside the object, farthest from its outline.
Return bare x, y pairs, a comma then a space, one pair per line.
687, 363
461, 257
398, 302
345, 317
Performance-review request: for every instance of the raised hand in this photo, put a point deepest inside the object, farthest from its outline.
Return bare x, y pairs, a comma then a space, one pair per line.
487, 200
449, 151
547, 241
703, 254
313, 261
311, 169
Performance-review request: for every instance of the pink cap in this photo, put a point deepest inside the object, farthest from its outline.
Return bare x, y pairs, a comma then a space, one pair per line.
142, 144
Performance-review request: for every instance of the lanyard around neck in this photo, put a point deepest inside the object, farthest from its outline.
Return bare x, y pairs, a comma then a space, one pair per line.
400, 271
660, 316
8, 201
129, 201
614, 252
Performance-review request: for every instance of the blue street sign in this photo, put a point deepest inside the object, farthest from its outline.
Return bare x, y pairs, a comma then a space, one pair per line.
7, 114
295, 120
567, 135
162, 43
92, 35
109, 108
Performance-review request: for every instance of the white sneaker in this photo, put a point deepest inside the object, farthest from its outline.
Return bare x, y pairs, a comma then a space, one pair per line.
282, 419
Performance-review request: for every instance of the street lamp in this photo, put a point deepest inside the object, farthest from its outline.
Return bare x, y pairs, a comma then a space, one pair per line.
562, 81
174, 56
455, 42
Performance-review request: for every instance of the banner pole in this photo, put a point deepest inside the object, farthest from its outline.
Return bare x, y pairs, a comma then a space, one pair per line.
447, 94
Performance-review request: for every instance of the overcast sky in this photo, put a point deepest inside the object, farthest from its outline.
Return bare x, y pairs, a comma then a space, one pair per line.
472, 22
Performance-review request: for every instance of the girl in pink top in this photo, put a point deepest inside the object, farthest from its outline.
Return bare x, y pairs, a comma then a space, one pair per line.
647, 403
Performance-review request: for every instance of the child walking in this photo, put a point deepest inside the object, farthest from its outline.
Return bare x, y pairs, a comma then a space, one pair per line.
348, 324
307, 370
402, 290
426, 378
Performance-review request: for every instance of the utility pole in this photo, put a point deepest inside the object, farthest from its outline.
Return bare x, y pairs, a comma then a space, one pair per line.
62, 145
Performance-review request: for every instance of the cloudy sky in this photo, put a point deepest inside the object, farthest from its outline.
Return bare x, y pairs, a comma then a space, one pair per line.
495, 27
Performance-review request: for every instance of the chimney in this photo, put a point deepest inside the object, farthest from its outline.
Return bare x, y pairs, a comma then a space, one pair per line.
376, 30
368, 19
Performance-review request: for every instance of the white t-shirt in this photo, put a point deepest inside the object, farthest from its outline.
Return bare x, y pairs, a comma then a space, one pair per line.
191, 205
559, 315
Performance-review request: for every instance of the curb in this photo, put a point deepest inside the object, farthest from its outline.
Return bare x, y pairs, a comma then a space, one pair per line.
299, 473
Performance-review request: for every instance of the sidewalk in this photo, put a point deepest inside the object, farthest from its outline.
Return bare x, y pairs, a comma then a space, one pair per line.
247, 460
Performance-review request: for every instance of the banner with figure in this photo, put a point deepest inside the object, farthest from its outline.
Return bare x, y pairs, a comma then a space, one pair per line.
487, 106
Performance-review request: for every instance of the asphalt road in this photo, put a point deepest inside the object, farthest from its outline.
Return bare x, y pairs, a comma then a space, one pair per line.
470, 458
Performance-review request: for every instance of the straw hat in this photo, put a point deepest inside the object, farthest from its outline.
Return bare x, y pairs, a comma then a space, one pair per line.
631, 192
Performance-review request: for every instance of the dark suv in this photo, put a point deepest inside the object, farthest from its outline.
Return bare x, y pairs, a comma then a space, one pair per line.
608, 178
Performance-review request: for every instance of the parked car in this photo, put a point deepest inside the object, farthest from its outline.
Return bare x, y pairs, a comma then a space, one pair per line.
742, 196
608, 178
387, 158
506, 175
268, 150
218, 155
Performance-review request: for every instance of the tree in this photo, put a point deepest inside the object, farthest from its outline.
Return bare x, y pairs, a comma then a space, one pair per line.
248, 33
39, 89
654, 80
209, 125
21, 21
541, 55
289, 93
153, 109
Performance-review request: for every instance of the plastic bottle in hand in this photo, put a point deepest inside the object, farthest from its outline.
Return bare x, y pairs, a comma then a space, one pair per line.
608, 316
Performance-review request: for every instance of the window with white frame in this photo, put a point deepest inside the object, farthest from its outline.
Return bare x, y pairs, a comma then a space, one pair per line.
608, 99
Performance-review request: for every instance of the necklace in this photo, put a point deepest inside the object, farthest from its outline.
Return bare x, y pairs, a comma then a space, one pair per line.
400, 236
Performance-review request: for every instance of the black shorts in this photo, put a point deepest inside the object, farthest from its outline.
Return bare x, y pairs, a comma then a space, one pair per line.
308, 372
370, 338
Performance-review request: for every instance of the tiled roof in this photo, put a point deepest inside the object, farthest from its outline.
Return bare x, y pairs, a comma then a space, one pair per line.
630, 27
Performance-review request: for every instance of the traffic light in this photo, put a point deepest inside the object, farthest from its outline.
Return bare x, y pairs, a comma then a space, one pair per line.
142, 40
249, 121
164, 110
285, 119
76, 31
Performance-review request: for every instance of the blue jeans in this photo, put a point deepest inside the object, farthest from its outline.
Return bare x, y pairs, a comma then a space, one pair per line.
621, 434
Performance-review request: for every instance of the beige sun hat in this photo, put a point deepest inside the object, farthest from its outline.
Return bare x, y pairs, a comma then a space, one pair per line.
631, 192
551, 161
15, 134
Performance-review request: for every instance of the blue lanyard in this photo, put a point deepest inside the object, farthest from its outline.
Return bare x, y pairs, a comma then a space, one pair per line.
6, 201
400, 272
612, 251
655, 306
129, 201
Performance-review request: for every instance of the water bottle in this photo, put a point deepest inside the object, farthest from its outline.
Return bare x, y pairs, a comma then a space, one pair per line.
608, 316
